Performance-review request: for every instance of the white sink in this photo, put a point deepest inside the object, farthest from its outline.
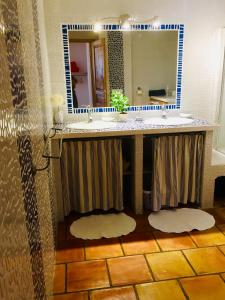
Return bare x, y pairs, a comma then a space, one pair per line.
170, 121
92, 125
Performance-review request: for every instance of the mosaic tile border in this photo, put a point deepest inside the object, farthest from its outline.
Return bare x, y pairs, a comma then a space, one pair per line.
112, 27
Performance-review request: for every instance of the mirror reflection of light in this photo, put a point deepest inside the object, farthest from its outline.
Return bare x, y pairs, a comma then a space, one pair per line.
126, 26
97, 27
156, 23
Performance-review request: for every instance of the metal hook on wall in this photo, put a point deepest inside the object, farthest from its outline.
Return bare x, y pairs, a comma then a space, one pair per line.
45, 152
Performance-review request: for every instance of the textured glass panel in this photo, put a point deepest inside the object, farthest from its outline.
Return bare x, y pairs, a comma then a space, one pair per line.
26, 203
221, 131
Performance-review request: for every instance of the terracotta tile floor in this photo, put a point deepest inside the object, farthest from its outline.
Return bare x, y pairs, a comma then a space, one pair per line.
209, 287
129, 270
126, 292
103, 248
160, 290
146, 264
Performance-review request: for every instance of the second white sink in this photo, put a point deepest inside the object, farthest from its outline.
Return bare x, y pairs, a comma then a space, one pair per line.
170, 121
94, 125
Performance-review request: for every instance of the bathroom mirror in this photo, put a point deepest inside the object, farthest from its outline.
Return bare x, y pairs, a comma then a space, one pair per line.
144, 63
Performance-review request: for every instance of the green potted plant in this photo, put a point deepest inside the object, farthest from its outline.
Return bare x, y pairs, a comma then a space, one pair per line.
120, 103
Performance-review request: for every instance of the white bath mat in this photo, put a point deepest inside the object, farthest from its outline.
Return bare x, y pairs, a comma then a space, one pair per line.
181, 220
98, 226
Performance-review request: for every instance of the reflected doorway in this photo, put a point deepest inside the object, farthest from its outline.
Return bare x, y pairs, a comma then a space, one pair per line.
88, 71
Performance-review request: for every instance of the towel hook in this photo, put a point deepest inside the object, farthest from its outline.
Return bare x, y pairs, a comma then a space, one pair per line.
44, 154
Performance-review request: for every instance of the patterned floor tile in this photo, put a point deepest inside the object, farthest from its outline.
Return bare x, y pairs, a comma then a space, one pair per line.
206, 260
169, 265
103, 248
129, 270
169, 290
87, 275
138, 243
209, 287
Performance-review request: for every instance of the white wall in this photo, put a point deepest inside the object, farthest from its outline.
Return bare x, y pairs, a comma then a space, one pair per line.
154, 61
202, 18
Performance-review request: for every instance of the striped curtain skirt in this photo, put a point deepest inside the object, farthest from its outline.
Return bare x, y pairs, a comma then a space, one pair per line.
177, 169
92, 175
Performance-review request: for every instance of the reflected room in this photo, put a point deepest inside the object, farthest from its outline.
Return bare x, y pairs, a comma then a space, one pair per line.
141, 64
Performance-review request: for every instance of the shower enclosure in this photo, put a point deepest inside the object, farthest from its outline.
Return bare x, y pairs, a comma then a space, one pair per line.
220, 137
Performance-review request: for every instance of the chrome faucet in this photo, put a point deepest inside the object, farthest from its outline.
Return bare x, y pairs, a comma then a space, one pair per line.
164, 111
90, 113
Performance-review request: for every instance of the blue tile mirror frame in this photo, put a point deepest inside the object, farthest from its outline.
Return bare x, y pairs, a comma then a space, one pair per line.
67, 29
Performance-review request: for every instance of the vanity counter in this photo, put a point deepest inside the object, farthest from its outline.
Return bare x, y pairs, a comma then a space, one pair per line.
137, 130
132, 127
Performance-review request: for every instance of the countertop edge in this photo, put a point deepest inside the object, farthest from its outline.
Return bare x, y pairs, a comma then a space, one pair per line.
131, 132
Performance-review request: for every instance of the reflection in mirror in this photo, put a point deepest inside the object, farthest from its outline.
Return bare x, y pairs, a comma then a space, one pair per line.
141, 64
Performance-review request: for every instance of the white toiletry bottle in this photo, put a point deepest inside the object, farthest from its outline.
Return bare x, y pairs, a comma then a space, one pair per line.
167, 90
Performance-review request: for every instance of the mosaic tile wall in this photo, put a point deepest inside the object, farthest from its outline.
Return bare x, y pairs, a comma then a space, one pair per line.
26, 200
115, 60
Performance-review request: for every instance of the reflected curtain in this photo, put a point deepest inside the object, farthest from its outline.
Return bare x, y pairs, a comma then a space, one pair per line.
177, 168
92, 175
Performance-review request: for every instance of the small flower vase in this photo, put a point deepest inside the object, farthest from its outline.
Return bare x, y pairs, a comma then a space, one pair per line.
58, 116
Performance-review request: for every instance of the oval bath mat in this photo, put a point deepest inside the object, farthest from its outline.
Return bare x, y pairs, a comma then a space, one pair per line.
98, 226
181, 220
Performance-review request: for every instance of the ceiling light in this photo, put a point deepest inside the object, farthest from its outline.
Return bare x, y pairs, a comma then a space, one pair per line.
125, 21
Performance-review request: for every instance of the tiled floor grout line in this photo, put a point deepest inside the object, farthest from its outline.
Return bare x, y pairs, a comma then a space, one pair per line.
66, 278
135, 290
182, 288
108, 272
121, 245
153, 234
220, 274
217, 246
85, 255
149, 267
194, 242
216, 225
109, 288
189, 263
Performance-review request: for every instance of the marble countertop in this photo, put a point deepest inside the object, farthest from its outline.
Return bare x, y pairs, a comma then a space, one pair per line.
132, 127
